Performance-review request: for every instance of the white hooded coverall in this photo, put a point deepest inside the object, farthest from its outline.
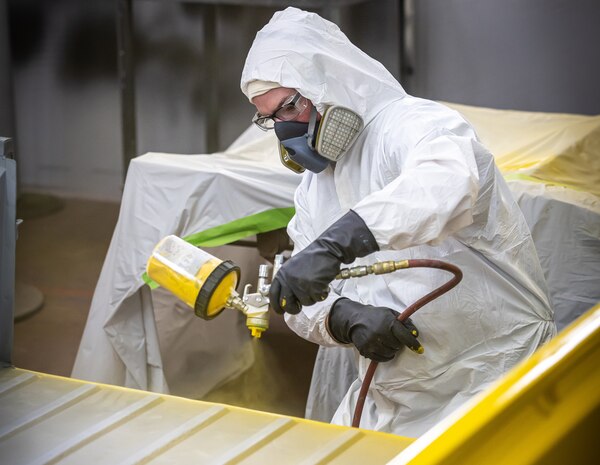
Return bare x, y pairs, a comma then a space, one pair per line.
426, 188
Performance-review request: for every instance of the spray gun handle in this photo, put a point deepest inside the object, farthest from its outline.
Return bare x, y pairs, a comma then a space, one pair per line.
264, 284
277, 262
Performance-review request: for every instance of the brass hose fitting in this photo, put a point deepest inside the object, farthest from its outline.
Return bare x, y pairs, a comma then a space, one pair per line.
376, 268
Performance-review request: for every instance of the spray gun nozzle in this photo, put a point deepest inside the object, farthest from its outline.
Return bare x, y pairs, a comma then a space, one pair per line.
257, 318
256, 333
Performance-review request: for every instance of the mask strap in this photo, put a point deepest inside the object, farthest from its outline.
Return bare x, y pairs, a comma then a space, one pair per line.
312, 123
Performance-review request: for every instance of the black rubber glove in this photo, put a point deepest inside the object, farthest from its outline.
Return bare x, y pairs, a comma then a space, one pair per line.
375, 331
304, 279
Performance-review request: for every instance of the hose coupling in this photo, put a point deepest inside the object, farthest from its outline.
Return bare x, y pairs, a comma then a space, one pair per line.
389, 266
355, 272
376, 268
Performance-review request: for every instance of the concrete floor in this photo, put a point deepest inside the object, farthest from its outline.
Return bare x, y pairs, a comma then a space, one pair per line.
62, 254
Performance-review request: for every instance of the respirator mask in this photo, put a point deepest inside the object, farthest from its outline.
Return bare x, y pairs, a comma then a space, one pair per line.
315, 144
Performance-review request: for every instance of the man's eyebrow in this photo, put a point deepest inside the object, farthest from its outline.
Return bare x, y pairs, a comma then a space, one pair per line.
278, 105
283, 100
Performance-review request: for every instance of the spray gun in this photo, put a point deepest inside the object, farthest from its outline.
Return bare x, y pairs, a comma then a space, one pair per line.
255, 305
208, 284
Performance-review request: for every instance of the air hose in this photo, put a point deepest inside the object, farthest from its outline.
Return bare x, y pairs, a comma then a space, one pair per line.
388, 267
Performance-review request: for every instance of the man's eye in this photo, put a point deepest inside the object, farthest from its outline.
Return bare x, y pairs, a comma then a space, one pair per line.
288, 109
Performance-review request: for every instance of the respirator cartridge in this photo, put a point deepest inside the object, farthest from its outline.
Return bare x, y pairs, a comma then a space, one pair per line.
315, 144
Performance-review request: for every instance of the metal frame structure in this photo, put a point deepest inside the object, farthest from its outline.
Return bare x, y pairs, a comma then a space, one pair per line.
8, 237
126, 59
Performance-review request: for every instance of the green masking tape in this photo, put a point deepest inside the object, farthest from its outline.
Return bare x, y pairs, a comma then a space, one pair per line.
269, 220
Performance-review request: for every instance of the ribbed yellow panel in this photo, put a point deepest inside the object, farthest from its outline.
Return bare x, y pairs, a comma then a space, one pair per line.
545, 411
49, 419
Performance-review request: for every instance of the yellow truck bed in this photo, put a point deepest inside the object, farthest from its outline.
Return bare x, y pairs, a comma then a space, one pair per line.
49, 419
545, 411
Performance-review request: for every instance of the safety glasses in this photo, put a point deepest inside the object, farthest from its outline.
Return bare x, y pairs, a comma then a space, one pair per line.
289, 110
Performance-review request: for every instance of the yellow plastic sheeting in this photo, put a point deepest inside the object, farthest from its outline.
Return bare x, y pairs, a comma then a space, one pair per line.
48, 419
545, 411
554, 148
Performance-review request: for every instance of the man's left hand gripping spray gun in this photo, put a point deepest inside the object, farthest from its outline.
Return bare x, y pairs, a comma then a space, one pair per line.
208, 284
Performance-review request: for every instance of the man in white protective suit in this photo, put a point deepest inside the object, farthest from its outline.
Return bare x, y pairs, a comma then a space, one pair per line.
392, 177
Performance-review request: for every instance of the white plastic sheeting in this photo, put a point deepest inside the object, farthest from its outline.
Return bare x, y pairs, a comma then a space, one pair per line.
176, 194
552, 164
553, 148
565, 226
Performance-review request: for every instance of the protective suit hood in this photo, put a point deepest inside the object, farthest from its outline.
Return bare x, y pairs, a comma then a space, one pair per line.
301, 50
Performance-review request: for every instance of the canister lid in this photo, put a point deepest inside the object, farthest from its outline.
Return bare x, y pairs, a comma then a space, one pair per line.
210, 286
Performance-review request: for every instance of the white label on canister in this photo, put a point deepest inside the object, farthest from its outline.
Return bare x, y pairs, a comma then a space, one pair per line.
181, 255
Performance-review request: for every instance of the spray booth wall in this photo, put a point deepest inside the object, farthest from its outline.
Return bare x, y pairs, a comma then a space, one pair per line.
67, 91
6, 118
536, 55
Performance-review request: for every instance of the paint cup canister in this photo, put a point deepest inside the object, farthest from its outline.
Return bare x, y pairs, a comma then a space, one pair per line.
199, 279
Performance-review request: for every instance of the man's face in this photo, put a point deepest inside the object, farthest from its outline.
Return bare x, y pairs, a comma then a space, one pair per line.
271, 101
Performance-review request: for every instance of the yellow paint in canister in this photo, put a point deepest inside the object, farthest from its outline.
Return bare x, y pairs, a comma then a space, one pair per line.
201, 280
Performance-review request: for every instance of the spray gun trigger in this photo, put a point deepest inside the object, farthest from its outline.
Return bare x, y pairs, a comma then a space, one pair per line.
247, 289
